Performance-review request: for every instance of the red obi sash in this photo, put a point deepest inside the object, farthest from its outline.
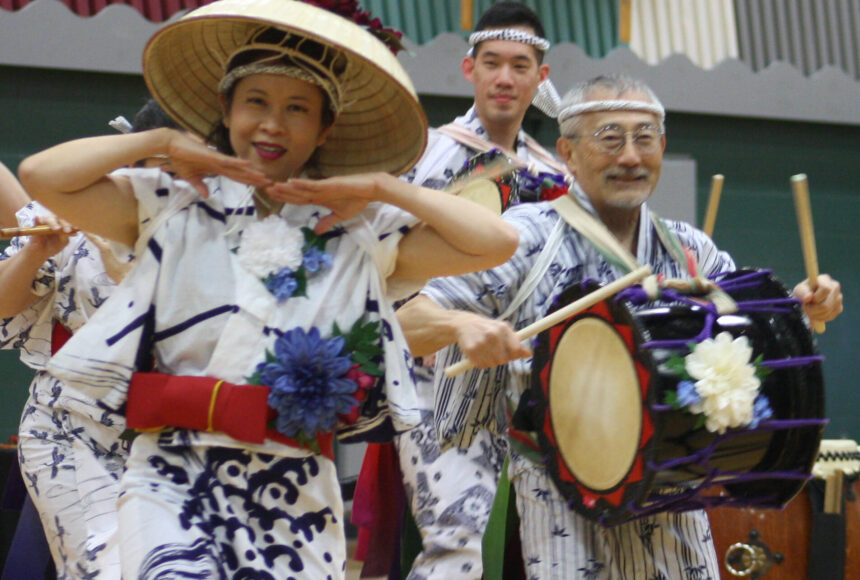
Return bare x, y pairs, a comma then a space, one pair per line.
157, 401
59, 335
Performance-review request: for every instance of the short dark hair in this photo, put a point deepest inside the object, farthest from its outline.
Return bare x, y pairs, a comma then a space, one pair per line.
152, 116
505, 14
502, 14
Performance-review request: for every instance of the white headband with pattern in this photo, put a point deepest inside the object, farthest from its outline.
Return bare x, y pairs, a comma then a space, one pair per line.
610, 105
121, 124
565, 116
548, 100
512, 34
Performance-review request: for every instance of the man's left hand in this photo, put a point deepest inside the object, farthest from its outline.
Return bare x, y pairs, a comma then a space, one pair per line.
825, 303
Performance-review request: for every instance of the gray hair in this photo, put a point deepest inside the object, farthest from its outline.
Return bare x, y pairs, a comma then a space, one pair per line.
577, 101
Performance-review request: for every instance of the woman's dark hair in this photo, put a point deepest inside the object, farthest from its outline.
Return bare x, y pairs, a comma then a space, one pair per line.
152, 116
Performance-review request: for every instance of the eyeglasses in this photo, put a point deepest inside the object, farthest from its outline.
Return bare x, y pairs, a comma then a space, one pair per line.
611, 139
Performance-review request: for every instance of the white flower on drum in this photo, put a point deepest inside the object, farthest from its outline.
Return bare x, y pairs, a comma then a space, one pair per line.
269, 246
725, 381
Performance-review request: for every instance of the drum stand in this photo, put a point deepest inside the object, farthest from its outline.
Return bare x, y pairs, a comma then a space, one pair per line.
815, 537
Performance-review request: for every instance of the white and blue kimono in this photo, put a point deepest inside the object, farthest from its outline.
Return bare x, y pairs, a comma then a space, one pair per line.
70, 452
201, 502
558, 543
451, 491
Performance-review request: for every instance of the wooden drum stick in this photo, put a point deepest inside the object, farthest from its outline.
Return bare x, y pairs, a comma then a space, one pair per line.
624, 21
713, 204
28, 231
467, 11
800, 187
564, 313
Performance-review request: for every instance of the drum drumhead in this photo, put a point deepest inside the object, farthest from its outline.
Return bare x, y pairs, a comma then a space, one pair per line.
588, 405
485, 193
595, 403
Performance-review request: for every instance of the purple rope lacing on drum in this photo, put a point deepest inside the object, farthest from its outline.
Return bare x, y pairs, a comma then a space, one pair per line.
638, 296
701, 456
690, 497
782, 363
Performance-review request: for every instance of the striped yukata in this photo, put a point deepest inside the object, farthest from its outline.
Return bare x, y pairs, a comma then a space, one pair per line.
451, 491
557, 541
70, 453
202, 503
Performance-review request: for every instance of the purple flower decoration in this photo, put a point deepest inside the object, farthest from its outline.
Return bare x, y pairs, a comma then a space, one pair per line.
314, 259
761, 411
687, 394
282, 284
307, 381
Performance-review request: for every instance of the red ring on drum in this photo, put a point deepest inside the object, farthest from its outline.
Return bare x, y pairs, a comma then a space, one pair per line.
599, 489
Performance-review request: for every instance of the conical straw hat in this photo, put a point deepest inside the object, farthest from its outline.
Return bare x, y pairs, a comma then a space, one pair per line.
381, 126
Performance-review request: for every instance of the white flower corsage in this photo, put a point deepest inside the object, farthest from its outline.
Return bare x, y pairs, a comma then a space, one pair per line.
720, 382
283, 257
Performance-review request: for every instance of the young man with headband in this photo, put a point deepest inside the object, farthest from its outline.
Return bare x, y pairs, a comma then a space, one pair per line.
450, 493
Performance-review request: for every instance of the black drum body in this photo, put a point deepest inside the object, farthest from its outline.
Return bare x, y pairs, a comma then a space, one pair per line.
617, 451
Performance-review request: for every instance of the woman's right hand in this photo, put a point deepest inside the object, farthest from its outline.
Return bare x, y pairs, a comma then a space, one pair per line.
192, 160
114, 268
44, 246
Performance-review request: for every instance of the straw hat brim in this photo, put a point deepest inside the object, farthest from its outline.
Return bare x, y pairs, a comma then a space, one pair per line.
381, 127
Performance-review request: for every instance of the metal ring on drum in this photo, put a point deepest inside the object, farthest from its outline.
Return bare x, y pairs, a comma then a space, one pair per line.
617, 452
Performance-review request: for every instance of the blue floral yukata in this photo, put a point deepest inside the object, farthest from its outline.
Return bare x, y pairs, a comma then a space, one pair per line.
557, 542
451, 492
70, 453
200, 503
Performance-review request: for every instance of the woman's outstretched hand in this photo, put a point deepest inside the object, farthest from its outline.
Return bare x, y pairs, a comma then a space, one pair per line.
192, 160
114, 267
345, 196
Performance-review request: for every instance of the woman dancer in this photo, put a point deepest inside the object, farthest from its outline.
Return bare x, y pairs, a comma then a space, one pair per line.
70, 453
258, 294
70, 450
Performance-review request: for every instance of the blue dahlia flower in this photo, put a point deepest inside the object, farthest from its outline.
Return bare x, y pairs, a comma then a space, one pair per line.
307, 382
315, 259
282, 284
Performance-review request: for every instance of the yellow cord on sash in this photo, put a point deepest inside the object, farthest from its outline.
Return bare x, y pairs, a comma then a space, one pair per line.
212, 405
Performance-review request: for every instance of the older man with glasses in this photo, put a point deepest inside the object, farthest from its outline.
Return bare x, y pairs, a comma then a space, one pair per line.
612, 141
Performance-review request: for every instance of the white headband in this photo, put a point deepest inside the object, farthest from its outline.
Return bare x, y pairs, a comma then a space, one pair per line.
121, 124
512, 34
610, 105
565, 115
548, 100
